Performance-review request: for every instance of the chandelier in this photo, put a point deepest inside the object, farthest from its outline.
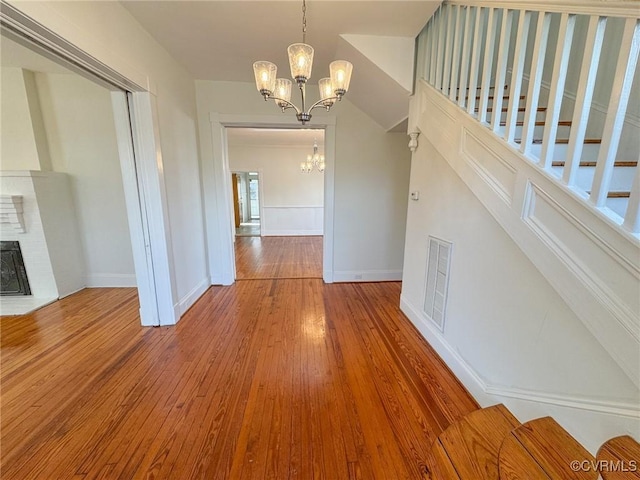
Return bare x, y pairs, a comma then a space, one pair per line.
332, 88
313, 161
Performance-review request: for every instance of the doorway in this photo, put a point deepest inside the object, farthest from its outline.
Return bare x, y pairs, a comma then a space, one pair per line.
246, 203
134, 116
277, 185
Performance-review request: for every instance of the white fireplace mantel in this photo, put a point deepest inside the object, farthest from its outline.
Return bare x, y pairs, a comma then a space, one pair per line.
11, 212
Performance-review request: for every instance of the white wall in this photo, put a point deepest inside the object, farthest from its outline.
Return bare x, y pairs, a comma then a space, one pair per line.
18, 150
110, 34
371, 173
60, 225
78, 118
292, 200
507, 333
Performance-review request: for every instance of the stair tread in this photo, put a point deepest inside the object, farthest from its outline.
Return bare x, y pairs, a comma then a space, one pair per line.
515, 463
564, 141
439, 464
520, 109
472, 443
550, 447
561, 123
619, 163
618, 194
619, 451
491, 97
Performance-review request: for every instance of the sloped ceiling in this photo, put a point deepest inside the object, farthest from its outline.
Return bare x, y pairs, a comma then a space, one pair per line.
220, 40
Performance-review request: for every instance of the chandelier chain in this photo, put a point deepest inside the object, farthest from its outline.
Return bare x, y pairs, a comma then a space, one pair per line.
304, 21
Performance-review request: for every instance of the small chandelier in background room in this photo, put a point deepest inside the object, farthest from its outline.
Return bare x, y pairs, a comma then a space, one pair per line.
313, 161
332, 88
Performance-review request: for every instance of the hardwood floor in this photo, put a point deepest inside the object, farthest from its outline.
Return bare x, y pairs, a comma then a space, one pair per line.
266, 379
278, 257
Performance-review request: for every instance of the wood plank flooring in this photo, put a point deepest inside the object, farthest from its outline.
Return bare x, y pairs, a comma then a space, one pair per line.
278, 257
265, 379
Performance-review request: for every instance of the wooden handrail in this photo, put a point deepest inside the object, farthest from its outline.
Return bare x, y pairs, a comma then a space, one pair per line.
612, 8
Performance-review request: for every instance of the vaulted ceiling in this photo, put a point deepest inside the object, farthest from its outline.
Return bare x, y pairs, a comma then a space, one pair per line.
220, 40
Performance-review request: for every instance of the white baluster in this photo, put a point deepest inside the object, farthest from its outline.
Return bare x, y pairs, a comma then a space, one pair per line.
435, 35
524, 22
475, 60
586, 85
466, 48
620, 91
556, 92
501, 68
442, 37
455, 62
488, 65
446, 76
535, 80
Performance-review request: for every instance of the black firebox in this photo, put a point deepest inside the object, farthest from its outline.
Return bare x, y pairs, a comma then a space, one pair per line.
13, 274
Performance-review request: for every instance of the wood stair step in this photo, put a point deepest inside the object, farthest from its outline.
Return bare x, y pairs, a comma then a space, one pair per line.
542, 450
621, 163
520, 109
563, 141
614, 194
561, 123
619, 459
491, 97
618, 194
468, 449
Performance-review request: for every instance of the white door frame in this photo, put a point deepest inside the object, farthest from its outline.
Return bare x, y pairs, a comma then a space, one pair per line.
143, 179
217, 179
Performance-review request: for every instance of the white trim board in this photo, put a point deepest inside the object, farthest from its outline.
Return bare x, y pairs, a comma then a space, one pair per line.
290, 233
192, 297
110, 280
525, 404
348, 276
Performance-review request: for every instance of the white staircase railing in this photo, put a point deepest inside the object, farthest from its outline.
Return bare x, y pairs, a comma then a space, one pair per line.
557, 82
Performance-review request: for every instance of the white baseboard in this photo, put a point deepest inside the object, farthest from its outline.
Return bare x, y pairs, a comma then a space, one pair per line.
190, 298
291, 233
110, 280
591, 420
367, 276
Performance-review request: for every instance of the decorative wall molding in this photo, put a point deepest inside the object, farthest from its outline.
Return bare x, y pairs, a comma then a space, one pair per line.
11, 212
413, 141
474, 381
561, 242
493, 168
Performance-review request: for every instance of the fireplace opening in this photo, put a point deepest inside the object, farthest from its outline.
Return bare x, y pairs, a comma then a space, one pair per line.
13, 275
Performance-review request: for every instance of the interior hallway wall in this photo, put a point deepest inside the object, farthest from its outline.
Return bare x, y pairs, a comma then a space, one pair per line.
79, 122
371, 180
506, 328
292, 201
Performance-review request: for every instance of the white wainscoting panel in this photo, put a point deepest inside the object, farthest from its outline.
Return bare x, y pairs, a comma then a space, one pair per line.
292, 220
591, 262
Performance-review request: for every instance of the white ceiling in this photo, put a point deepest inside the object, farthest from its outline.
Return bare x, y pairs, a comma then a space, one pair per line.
220, 39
